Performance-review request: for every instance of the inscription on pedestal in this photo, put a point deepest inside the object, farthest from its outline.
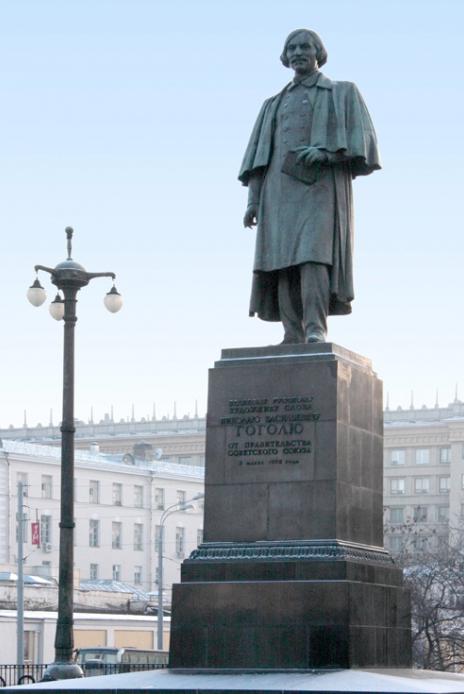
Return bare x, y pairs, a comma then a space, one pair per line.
269, 433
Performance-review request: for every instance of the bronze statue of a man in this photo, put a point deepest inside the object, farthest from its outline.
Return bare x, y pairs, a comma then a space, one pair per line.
308, 143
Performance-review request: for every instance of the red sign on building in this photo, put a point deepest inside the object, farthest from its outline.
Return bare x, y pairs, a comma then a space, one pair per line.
35, 533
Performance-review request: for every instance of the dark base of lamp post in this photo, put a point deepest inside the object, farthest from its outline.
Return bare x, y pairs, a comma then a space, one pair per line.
62, 671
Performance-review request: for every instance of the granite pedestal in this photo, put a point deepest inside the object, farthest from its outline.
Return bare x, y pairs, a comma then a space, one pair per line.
292, 573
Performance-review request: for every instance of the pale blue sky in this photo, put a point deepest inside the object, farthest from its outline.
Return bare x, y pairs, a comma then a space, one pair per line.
127, 119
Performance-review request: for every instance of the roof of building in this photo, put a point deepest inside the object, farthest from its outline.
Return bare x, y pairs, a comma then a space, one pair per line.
11, 577
110, 586
91, 459
7, 615
424, 415
108, 428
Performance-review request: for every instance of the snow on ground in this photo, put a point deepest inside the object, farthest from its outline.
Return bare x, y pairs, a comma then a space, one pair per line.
385, 680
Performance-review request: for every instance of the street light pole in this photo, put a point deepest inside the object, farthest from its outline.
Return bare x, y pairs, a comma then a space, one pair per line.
179, 506
160, 625
20, 582
69, 277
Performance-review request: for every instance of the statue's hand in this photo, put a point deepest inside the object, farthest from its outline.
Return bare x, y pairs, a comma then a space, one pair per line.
311, 155
250, 219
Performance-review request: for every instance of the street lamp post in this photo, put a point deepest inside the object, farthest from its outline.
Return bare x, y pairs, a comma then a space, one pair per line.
69, 277
180, 506
20, 582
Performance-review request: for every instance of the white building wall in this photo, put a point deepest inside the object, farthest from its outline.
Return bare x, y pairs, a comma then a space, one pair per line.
442, 499
35, 462
5, 512
89, 628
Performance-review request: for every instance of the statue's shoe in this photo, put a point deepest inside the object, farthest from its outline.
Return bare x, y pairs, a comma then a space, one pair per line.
315, 337
292, 340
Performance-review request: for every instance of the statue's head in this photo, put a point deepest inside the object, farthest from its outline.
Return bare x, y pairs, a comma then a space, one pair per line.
313, 38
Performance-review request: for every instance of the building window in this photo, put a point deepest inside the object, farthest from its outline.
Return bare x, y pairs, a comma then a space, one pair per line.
94, 492
422, 485
138, 496
94, 533
420, 544
117, 494
22, 477
398, 456
137, 575
422, 456
444, 485
186, 460
445, 454
159, 499
138, 536
420, 514
45, 530
180, 541
395, 543
157, 537
180, 495
46, 569
199, 536
116, 528
116, 572
29, 640
443, 514
93, 572
396, 514
47, 486
397, 485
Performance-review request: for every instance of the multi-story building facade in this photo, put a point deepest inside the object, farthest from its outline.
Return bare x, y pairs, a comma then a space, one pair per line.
423, 476
423, 463
119, 502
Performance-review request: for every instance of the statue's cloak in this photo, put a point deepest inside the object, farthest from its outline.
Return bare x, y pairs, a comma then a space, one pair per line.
341, 126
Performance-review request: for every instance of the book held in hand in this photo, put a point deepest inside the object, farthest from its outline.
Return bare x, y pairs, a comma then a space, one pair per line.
299, 170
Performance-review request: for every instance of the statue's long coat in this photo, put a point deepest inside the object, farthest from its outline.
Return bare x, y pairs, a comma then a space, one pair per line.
341, 126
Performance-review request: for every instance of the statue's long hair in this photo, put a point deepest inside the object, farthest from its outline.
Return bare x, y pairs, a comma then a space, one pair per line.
321, 51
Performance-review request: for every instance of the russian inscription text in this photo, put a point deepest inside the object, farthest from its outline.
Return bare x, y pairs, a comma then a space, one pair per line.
266, 431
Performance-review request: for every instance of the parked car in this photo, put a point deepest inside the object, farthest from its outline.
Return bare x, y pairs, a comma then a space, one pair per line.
105, 660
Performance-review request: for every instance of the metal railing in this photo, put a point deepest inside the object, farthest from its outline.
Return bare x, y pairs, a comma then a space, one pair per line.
11, 675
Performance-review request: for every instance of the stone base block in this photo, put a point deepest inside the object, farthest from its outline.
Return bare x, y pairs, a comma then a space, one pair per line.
292, 574
289, 625
294, 561
294, 447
